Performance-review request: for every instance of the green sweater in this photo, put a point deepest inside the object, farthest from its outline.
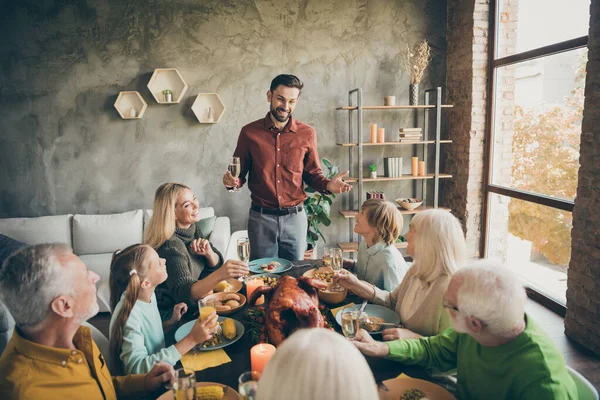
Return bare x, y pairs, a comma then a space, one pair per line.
529, 367
183, 268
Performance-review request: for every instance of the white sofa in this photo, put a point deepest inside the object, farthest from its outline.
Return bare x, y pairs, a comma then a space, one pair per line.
94, 238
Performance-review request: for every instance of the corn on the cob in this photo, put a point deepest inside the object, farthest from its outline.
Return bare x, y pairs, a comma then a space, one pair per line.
229, 330
209, 393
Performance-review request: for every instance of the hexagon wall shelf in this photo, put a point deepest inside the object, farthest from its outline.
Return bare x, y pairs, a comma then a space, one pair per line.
204, 103
130, 105
167, 78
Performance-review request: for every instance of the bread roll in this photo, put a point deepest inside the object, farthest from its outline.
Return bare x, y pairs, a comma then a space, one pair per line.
222, 308
232, 303
230, 296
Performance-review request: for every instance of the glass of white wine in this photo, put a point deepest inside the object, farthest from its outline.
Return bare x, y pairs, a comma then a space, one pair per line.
235, 168
349, 322
248, 384
184, 384
243, 251
336, 265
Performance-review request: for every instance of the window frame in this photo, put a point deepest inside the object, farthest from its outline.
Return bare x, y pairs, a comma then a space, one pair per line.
489, 188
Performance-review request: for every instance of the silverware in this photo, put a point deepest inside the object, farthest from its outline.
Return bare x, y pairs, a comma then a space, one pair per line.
382, 386
362, 307
303, 265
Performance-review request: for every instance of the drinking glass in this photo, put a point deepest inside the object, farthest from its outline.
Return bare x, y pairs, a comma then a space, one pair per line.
248, 384
349, 322
235, 168
243, 251
327, 257
184, 384
206, 307
336, 265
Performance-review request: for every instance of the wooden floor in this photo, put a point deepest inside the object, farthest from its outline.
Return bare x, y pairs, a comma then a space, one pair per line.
576, 357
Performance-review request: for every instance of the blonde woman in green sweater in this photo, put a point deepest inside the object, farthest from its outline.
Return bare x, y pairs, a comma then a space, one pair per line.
180, 237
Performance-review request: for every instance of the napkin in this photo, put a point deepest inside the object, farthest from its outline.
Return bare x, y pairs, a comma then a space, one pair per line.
205, 359
403, 375
334, 311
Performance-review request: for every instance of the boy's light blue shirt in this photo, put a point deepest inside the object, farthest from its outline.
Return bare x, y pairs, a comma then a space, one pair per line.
143, 338
381, 265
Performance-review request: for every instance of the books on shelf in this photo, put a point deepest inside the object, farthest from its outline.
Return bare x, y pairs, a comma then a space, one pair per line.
392, 167
408, 135
410, 130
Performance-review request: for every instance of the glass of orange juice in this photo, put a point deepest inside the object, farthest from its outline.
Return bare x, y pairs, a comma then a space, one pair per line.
206, 307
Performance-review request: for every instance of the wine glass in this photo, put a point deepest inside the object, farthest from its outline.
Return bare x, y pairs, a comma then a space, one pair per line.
243, 251
234, 168
336, 265
184, 384
349, 322
326, 259
248, 384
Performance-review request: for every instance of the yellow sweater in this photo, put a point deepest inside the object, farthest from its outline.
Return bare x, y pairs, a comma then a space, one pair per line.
29, 370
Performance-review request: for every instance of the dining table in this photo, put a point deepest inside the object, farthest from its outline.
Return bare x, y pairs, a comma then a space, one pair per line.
239, 352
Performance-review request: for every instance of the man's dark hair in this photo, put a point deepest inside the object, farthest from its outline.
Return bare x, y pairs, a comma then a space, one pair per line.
286, 80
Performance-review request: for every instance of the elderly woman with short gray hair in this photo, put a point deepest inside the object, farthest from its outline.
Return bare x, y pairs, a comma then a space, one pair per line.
437, 244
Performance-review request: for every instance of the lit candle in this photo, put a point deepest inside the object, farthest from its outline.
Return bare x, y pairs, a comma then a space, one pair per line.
421, 168
381, 135
251, 286
260, 356
373, 133
415, 166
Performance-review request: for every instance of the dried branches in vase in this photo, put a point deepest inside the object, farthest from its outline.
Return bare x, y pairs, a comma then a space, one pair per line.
415, 59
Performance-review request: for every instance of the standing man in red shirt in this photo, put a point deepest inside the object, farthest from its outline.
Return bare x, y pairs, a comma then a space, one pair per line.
279, 154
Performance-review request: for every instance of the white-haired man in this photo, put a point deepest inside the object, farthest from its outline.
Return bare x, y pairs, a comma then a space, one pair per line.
50, 292
498, 350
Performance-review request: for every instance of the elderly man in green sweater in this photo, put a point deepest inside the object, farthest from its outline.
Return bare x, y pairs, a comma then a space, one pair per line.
498, 350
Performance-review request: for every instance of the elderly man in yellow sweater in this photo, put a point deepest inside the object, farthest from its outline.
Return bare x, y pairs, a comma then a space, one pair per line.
50, 292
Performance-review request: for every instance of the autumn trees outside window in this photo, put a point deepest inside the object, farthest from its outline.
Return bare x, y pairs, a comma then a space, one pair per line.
537, 76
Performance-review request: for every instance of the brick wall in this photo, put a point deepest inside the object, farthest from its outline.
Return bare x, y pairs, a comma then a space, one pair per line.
466, 80
583, 297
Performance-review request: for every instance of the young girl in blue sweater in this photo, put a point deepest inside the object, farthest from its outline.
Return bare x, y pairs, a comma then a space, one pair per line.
137, 339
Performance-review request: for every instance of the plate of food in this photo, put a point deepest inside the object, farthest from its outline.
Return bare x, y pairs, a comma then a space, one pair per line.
268, 279
231, 285
372, 317
228, 334
206, 390
270, 265
406, 388
324, 274
227, 303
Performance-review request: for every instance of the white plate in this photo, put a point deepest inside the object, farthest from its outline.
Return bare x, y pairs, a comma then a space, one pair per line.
187, 327
373, 310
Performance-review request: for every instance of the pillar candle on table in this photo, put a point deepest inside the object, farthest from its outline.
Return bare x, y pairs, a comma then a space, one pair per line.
373, 133
251, 286
415, 166
381, 135
421, 168
260, 356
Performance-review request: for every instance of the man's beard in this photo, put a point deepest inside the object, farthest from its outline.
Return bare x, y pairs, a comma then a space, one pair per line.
277, 116
93, 310
459, 325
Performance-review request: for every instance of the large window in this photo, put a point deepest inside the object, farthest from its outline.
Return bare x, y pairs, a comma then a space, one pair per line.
536, 83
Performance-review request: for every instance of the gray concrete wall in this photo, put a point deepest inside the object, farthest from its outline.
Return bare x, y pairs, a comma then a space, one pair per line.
64, 148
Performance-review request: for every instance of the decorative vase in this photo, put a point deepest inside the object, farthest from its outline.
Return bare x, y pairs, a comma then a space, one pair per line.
132, 112
414, 94
389, 101
373, 174
211, 116
168, 97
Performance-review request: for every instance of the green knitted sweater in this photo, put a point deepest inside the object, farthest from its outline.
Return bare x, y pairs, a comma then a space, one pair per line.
183, 267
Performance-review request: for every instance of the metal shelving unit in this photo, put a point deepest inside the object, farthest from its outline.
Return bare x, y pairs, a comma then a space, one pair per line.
355, 112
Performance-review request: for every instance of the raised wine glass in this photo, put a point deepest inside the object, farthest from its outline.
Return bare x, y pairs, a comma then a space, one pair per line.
248, 384
235, 168
336, 265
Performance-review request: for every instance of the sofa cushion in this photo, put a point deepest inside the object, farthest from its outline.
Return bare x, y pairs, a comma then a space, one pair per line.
100, 264
56, 228
205, 212
8, 246
96, 234
206, 226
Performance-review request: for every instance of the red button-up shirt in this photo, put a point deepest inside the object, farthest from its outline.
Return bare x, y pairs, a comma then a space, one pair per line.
278, 162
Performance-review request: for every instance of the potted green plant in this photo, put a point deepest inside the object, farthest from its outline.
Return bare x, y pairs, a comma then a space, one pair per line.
373, 168
168, 94
318, 209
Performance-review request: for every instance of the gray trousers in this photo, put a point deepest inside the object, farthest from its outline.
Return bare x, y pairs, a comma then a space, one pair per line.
282, 236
